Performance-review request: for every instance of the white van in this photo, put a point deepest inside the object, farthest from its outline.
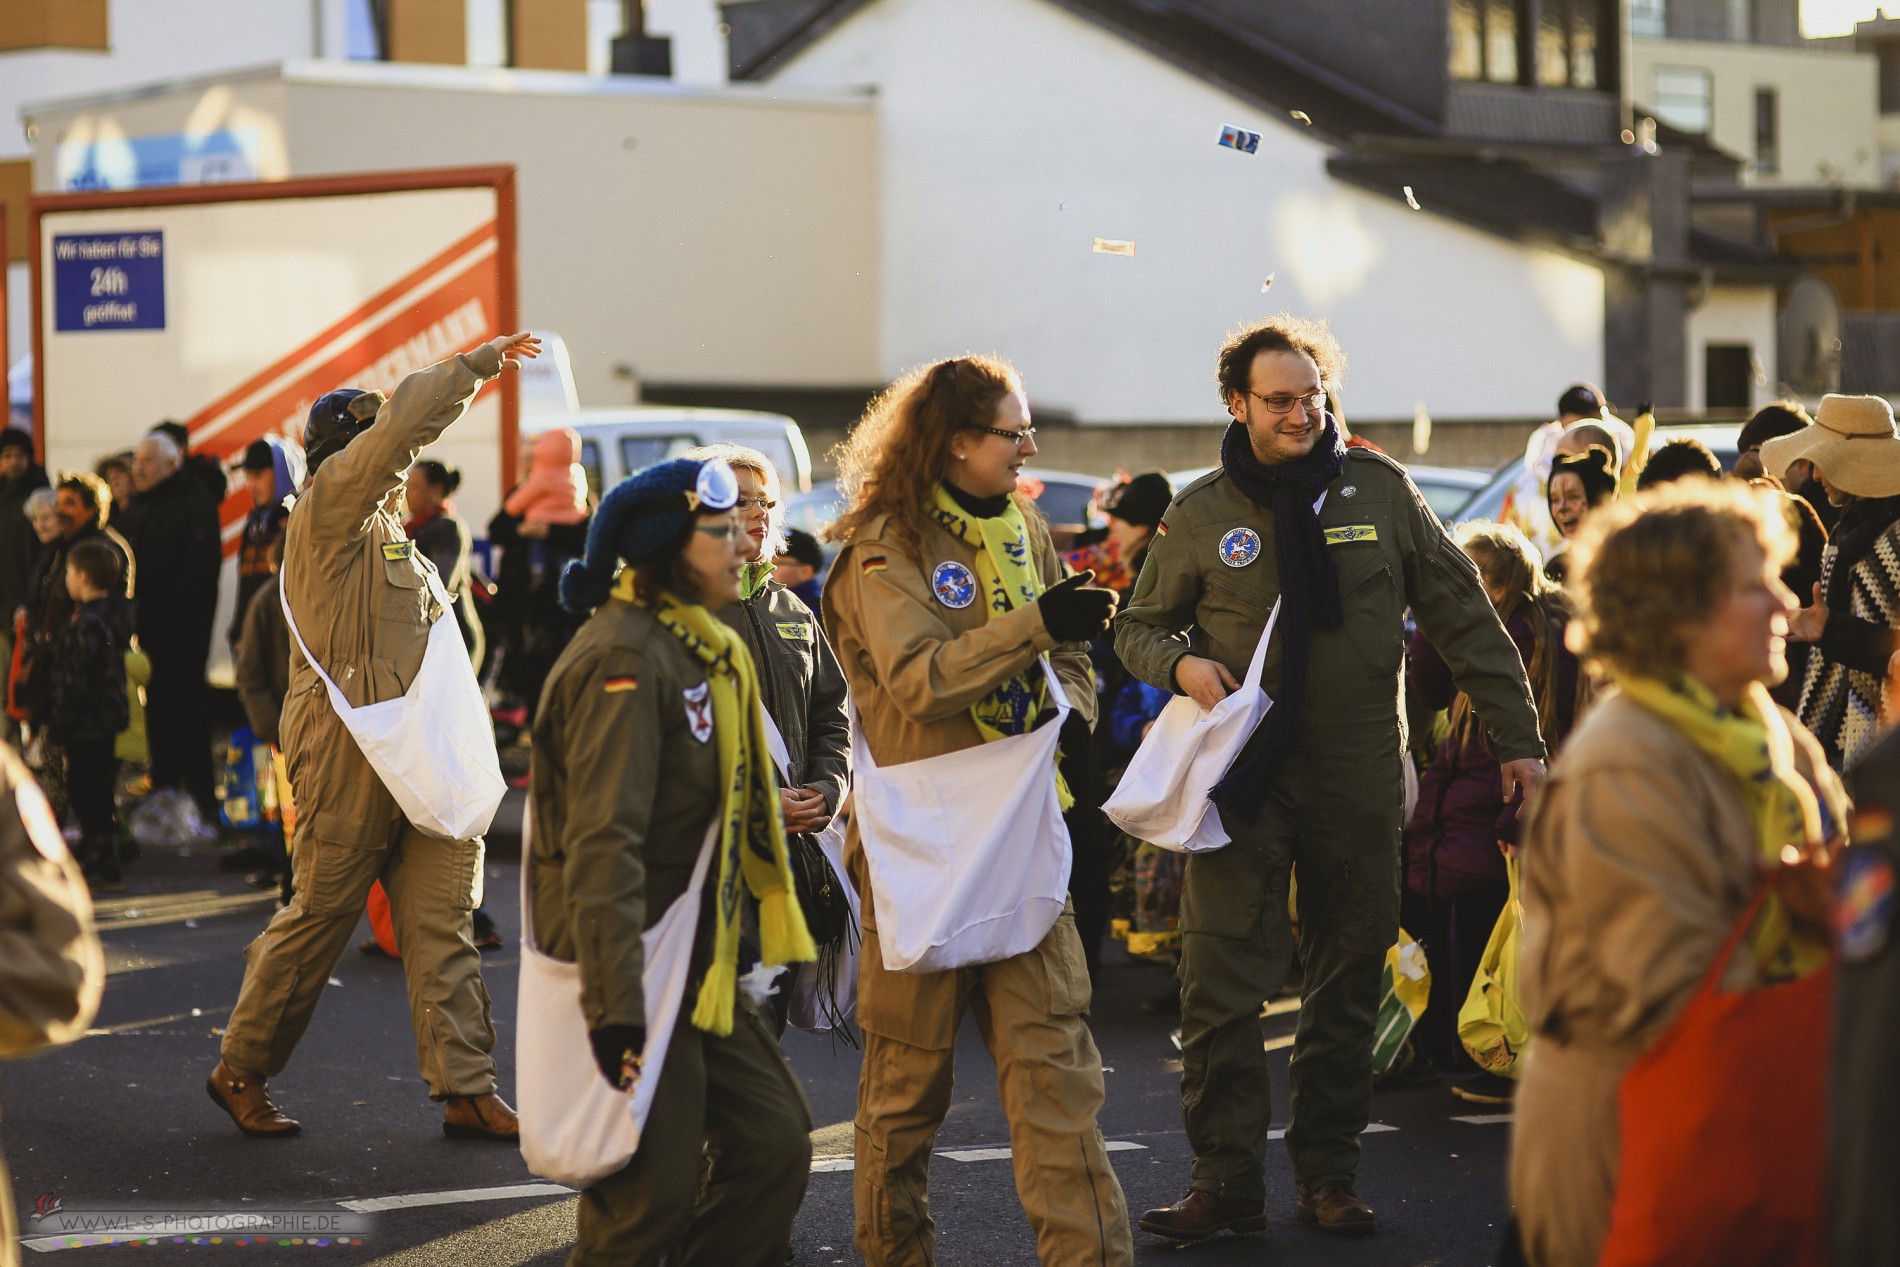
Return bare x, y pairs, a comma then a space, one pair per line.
617, 442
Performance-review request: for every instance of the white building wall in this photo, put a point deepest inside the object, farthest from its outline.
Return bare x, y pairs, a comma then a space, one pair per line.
1734, 314
1012, 134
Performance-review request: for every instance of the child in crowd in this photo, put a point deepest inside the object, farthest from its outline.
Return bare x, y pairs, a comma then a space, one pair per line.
89, 706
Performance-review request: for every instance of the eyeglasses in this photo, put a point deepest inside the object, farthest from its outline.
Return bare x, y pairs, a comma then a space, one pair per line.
1280, 403
1019, 437
763, 503
718, 532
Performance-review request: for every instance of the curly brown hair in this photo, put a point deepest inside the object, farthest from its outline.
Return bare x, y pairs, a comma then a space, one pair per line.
892, 460
1282, 332
1641, 568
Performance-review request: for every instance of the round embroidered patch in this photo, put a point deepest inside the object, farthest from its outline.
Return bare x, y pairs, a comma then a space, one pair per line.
953, 584
1351, 490
1240, 547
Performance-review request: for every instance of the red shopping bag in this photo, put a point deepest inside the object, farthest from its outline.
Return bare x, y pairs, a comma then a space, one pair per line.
1724, 1120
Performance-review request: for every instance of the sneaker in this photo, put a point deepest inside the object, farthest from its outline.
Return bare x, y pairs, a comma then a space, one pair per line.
1484, 1088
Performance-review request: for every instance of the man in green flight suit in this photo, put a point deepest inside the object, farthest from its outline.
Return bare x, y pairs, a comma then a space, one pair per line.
1342, 542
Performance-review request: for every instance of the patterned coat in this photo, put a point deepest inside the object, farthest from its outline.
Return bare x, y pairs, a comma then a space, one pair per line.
1844, 692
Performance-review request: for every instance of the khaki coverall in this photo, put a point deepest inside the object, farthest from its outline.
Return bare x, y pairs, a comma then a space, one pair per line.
623, 792
1335, 809
915, 667
358, 589
52, 970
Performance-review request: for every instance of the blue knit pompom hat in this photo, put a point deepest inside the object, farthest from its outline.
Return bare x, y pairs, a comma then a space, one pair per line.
642, 516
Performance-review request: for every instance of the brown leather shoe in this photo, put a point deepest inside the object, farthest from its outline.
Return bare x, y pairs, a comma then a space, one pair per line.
480, 1117
244, 1097
1201, 1214
1337, 1207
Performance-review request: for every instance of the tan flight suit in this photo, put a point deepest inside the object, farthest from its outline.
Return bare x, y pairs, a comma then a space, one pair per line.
52, 970
624, 789
358, 588
915, 667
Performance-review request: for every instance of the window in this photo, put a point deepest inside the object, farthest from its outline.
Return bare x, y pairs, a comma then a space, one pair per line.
1684, 98
639, 452
1567, 43
366, 30
1728, 376
1484, 35
488, 31
1649, 19
1767, 131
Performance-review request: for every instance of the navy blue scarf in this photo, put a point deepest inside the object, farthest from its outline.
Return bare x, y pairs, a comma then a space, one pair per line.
1309, 594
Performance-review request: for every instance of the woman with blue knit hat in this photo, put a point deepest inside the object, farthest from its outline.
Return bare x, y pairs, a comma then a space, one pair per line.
653, 786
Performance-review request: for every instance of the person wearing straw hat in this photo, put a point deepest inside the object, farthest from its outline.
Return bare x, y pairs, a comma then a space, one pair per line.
1854, 448
650, 749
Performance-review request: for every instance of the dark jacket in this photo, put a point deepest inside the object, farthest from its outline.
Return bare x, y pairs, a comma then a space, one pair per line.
263, 661
49, 609
527, 619
803, 687
89, 701
445, 539
1800, 576
1858, 644
1451, 842
20, 549
175, 535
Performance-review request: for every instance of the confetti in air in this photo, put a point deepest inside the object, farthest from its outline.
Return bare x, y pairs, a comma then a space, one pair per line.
1268, 284
1063, 205
1302, 117
1411, 199
1113, 246
1238, 139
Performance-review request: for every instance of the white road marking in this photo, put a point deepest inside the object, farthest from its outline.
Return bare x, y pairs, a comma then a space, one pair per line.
457, 1196
1485, 1119
1373, 1128
831, 1165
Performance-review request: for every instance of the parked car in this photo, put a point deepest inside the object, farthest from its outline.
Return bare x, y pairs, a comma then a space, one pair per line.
617, 442
1488, 501
1446, 488
1065, 499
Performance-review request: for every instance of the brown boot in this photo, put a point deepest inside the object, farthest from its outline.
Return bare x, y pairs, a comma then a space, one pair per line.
244, 1097
1337, 1207
1201, 1214
480, 1117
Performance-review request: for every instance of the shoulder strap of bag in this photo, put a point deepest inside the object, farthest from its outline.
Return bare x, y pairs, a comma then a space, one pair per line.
775, 743
693, 886
283, 597
1712, 980
1257, 665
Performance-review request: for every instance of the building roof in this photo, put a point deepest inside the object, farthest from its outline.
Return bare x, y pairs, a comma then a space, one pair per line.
1478, 184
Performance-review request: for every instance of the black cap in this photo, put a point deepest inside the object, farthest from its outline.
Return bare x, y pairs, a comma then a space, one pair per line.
1582, 400
257, 457
1140, 501
803, 547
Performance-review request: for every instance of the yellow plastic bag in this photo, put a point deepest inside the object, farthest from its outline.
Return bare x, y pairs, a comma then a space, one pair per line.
1403, 990
130, 743
1491, 1024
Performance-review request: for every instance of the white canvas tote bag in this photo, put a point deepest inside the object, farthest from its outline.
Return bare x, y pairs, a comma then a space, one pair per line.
434, 746
1162, 797
968, 853
574, 1127
813, 1003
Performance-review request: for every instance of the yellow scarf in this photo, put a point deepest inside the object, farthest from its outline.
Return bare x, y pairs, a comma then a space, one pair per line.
752, 824
1007, 579
1752, 743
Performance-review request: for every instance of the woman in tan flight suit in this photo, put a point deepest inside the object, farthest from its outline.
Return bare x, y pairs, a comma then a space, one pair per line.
647, 738
939, 638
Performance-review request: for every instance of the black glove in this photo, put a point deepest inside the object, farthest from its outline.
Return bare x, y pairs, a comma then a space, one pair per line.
1075, 739
1073, 613
612, 1043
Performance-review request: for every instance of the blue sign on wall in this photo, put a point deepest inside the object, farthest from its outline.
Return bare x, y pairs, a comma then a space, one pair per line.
109, 281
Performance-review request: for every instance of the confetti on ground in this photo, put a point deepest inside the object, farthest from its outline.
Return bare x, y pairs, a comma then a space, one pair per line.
1239, 139
1411, 199
1268, 284
334, 981
1303, 117
1113, 246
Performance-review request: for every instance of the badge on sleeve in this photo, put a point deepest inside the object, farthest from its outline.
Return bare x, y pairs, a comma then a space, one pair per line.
1863, 903
699, 711
1240, 547
953, 584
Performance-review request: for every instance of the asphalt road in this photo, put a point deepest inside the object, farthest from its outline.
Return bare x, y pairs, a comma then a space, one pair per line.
120, 1120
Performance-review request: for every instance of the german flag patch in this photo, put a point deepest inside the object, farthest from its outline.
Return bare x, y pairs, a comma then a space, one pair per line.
1161, 529
619, 682
873, 563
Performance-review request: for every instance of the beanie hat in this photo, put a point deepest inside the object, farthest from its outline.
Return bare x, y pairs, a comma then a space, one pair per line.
641, 518
1140, 501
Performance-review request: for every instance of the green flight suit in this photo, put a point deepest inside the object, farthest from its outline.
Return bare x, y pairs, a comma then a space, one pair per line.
1334, 810
625, 784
